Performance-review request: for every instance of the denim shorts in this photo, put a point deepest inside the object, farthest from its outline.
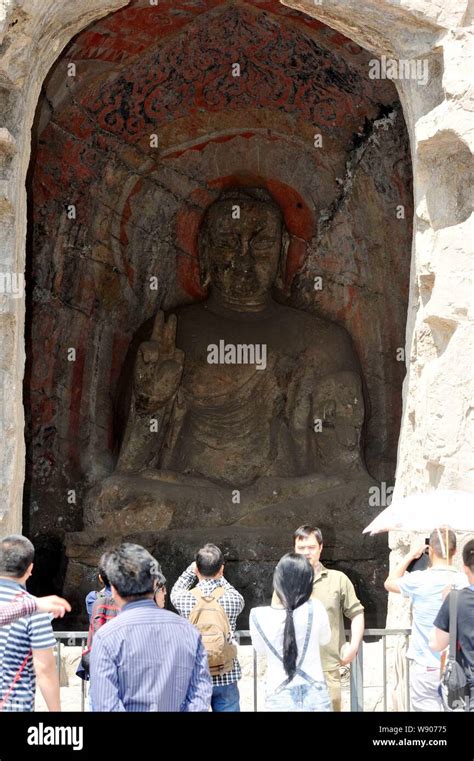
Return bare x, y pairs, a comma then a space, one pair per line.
303, 697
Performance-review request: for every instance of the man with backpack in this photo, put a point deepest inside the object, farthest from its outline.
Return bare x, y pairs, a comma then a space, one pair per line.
104, 607
464, 618
104, 591
101, 608
212, 607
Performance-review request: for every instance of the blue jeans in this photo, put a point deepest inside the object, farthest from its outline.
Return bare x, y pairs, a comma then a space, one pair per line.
225, 698
303, 697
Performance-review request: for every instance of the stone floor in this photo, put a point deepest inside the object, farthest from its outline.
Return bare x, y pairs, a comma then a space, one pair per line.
71, 685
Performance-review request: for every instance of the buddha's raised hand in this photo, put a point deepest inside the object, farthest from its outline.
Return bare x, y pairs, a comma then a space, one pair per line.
159, 365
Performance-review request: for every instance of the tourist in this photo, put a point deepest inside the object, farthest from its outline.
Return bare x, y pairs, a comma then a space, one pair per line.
104, 591
104, 608
439, 637
206, 574
290, 633
336, 592
147, 658
26, 646
425, 590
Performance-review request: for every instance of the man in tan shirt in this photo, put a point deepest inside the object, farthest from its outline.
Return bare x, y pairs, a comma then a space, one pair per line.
336, 591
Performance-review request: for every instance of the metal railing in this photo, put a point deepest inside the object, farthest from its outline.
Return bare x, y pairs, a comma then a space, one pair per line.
73, 639
356, 669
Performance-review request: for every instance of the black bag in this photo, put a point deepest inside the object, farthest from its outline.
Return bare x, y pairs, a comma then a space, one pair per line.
83, 670
454, 688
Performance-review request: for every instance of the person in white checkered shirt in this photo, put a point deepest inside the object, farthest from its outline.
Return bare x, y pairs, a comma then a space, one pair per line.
207, 573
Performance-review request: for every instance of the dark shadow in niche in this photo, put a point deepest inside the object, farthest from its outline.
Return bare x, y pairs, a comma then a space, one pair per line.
47, 577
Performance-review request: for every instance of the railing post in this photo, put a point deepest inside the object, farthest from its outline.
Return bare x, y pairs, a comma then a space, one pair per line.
255, 681
407, 677
58, 658
356, 670
357, 682
84, 683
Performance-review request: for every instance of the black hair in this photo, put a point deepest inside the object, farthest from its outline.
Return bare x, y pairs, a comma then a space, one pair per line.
209, 560
133, 571
101, 569
468, 555
303, 532
16, 554
293, 583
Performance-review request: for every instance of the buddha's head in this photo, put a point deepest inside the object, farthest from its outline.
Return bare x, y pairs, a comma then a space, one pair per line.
242, 246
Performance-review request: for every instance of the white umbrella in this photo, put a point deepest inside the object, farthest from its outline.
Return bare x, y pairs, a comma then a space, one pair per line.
425, 512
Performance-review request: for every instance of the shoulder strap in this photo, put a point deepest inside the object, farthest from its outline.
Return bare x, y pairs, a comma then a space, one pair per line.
308, 632
197, 594
299, 671
453, 624
215, 594
18, 674
265, 639
16, 679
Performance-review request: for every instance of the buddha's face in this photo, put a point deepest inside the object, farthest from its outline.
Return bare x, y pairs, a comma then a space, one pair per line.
243, 254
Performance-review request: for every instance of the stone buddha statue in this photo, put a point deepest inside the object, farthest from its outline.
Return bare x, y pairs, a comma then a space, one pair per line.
239, 410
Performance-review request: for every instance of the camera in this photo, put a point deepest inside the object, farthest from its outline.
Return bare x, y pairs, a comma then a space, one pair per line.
421, 563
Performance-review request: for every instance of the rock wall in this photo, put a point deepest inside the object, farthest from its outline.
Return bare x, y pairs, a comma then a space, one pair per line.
138, 156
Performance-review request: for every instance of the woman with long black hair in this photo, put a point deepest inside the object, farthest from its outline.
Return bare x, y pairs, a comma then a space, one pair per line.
290, 636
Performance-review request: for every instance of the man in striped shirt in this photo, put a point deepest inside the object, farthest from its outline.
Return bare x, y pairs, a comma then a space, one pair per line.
147, 658
207, 573
26, 646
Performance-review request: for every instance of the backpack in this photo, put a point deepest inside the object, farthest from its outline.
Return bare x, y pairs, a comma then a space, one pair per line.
103, 610
211, 620
454, 689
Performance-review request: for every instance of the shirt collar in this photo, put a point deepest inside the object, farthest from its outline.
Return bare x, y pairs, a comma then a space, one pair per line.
321, 571
207, 585
145, 603
12, 583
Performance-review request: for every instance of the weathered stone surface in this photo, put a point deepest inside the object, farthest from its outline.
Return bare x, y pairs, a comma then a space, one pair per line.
138, 211
245, 430
250, 561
